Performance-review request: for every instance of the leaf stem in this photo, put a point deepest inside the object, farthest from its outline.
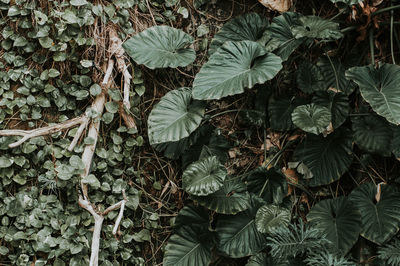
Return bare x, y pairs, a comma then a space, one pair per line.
277, 155
391, 33
371, 45
224, 112
380, 11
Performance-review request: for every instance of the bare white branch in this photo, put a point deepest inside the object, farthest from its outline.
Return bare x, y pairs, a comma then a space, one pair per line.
118, 51
119, 218
93, 132
28, 134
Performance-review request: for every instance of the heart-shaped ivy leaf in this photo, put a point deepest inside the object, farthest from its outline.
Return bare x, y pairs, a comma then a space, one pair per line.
234, 67
161, 47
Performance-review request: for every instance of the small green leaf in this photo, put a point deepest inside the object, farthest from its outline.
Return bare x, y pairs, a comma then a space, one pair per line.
78, 2
92, 181
112, 107
5, 162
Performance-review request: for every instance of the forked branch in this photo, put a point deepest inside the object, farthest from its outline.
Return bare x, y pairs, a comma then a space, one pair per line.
28, 134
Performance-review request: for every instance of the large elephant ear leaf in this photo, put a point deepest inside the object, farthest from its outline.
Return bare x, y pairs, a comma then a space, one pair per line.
189, 244
339, 220
312, 118
192, 215
174, 117
270, 216
230, 199
373, 134
309, 78
281, 32
210, 142
315, 27
327, 158
395, 144
234, 67
204, 177
161, 47
238, 235
249, 27
269, 184
379, 87
337, 103
334, 72
380, 216
280, 111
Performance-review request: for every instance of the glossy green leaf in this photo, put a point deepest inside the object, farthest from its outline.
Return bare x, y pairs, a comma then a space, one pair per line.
204, 177
161, 47
269, 217
380, 220
372, 134
395, 144
238, 235
327, 158
317, 28
208, 141
337, 103
379, 87
280, 111
339, 220
234, 67
174, 117
311, 118
190, 244
269, 184
249, 27
309, 78
190, 214
230, 199
334, 72
281, 32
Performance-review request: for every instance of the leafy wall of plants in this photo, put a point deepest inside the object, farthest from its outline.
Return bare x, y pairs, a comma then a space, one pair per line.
326, 192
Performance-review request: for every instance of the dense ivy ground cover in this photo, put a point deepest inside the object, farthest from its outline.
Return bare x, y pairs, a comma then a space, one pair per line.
298, 168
